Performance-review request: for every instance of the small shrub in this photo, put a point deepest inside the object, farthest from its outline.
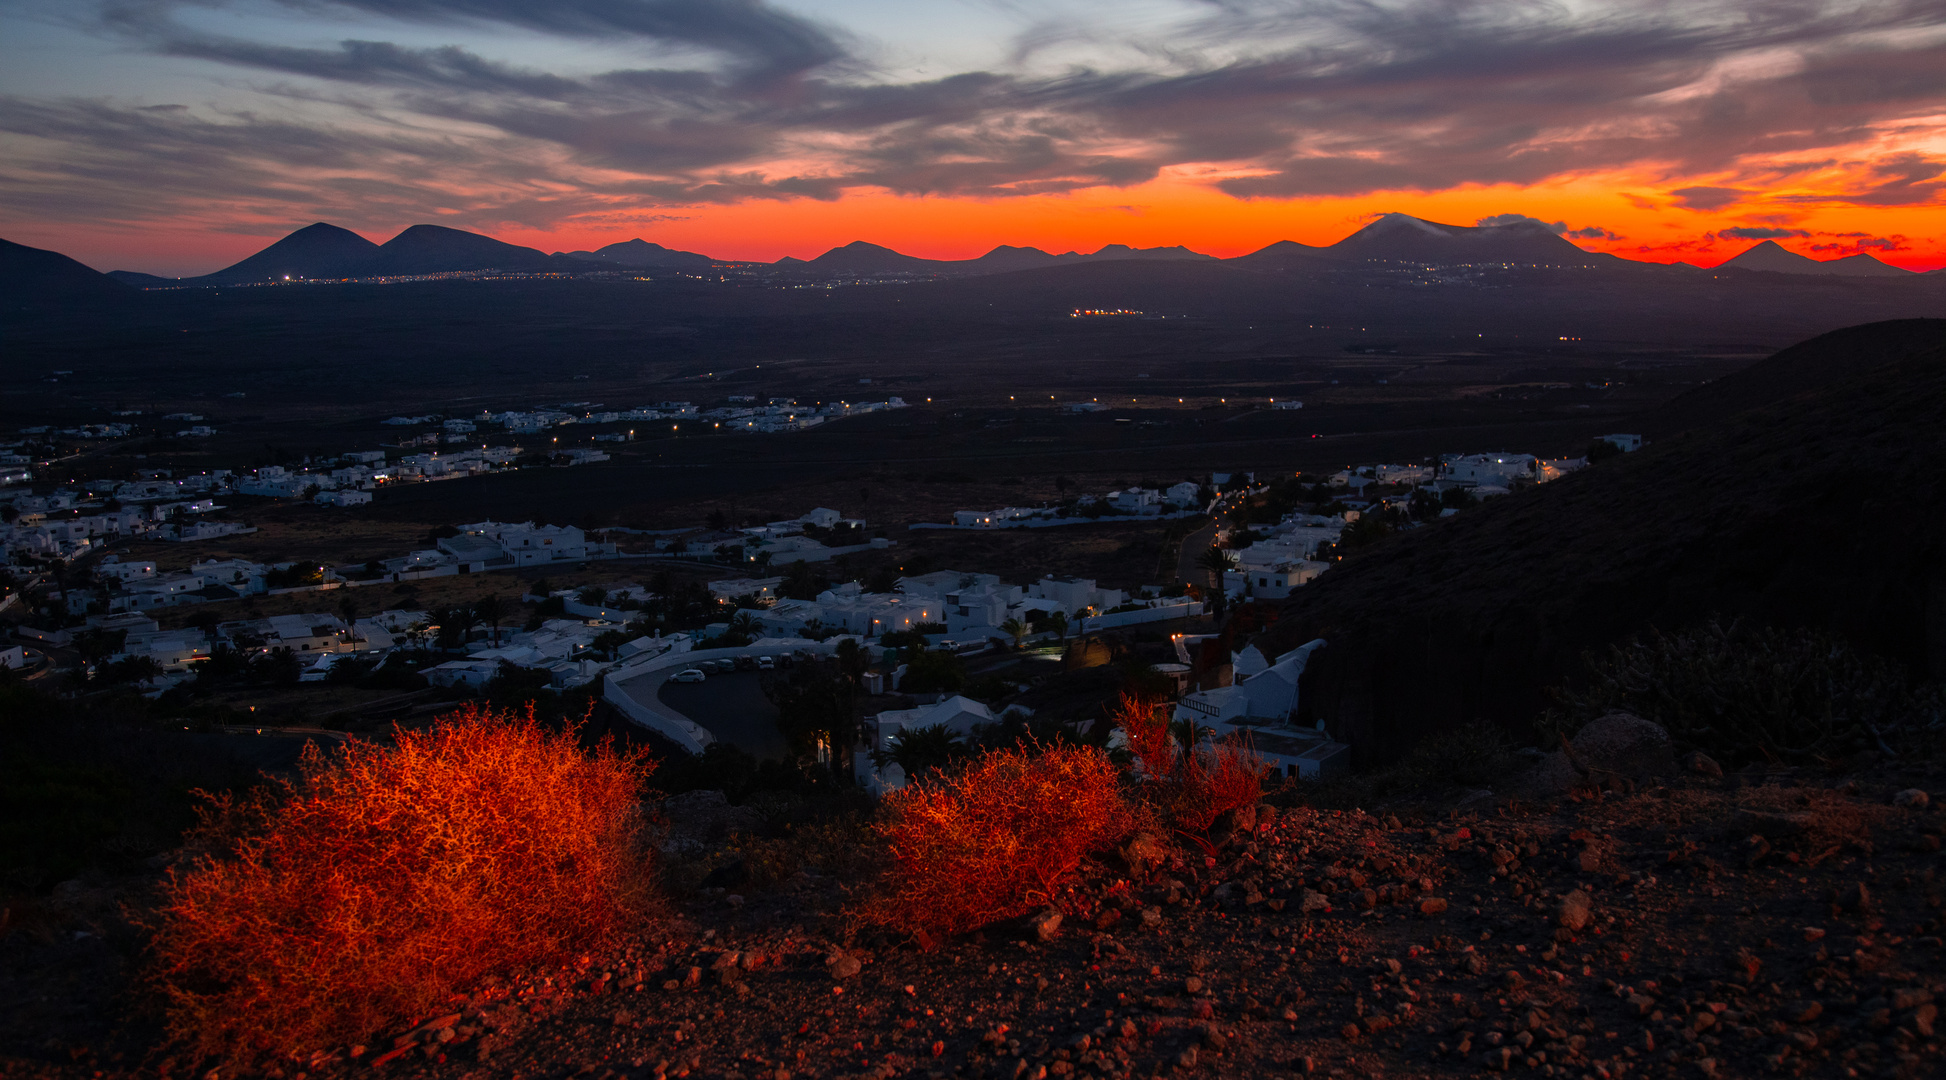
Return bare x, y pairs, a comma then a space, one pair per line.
385, 880
1145, 729
995, 839
1190, 789
1742, 692
1211, 782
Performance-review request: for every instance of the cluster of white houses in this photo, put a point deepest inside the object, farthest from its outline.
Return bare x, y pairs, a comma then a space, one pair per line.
741, 413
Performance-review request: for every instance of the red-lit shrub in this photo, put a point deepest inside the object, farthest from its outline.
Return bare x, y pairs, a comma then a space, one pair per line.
1145, 728
385, 880
995, 839
1226, 775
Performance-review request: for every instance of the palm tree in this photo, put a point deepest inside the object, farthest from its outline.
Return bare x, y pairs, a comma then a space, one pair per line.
922, 750
1217, 561
746, 624
1059, 621
1015, 629
492, 610
466, 617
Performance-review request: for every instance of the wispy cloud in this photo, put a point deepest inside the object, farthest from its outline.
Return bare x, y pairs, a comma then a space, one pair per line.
737, 100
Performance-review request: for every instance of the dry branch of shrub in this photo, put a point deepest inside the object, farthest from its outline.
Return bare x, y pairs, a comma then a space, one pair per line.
995, 839
384, 881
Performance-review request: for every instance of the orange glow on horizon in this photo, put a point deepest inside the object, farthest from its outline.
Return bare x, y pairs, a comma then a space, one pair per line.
1645, 224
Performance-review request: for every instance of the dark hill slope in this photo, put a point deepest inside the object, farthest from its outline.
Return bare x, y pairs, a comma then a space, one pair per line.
1806, 366
435, 249
320, 250
1827, 510
34, 277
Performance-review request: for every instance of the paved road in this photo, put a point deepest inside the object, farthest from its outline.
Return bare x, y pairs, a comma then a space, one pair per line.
731, 707
1193, 546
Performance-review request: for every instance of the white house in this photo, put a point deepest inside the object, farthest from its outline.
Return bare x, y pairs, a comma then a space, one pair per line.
1501, 470
1625, 443
1256, 711
961, 715
1071, 595
344, 497
1270, 693
1276, 582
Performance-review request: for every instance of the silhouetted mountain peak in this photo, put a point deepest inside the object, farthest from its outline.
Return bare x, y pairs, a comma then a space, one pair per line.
1404, 238
32, 277
436, 249
1777, 259
641, 253
860, 255
319, 250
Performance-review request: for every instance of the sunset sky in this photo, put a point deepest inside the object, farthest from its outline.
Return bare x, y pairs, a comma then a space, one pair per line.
176, 136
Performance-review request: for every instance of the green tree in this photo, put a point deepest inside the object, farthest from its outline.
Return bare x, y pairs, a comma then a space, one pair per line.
802, 581
933, 671
280, 666
816, 714
746, 624
1015, 629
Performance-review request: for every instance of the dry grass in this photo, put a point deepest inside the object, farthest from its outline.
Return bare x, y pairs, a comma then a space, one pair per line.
996, 839
386, 880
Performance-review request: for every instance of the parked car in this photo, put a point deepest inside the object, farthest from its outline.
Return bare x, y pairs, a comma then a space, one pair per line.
688, 675
765, 663
746, 663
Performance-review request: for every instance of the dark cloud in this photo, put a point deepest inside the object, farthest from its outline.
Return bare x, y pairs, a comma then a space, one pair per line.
1591, 232
1709, 198
1752, 232
1863, 246
1556, 227
738, 99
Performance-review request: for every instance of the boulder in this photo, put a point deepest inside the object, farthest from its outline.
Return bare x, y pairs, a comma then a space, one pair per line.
1618, 743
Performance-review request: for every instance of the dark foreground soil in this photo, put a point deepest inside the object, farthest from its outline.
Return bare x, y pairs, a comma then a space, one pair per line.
1752, 925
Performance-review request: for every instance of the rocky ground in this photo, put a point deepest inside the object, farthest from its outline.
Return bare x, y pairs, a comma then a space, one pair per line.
1761, 922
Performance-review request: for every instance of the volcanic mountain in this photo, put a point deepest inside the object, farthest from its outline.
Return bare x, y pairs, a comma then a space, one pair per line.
435, 249
639, 253
1772, 256
315, 251
31, 277
1403, 238
861, 257
1826, 509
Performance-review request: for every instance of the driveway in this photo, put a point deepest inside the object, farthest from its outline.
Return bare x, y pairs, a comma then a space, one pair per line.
731, 707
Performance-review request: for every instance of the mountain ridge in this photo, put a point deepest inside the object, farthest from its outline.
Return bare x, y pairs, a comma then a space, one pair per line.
1775, 258
31, 277
323, 250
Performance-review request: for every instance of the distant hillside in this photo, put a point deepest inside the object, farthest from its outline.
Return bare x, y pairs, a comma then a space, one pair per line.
641, 254
33, 278
141, 280
860, 257
315, 251
1773, 257
1280, 255
1403, 238
435, 249
1827, 509
1804, 367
